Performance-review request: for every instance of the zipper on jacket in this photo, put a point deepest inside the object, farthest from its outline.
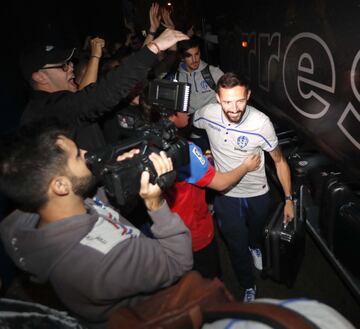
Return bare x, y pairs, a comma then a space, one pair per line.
196, 88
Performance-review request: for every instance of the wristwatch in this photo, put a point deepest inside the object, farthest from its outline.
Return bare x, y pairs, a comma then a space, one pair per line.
289, 197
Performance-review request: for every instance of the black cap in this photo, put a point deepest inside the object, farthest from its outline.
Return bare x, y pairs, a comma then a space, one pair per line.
40, 54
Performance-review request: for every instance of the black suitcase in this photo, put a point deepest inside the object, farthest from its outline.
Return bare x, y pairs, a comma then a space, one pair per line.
346, 236
335, 194
284, 246
303, 164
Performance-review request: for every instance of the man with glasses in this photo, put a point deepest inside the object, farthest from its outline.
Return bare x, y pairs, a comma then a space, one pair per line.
50, 73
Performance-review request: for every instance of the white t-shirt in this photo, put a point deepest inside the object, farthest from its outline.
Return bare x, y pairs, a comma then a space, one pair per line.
231, 143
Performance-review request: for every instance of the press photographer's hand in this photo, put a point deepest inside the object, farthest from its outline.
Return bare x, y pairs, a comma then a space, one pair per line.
151, 193
128, 155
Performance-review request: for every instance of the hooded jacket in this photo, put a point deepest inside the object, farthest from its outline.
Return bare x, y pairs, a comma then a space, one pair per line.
82, 109
99, 261
201, 93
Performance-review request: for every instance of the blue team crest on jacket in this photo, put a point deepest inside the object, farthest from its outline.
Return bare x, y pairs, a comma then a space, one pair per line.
204, 84
242, 141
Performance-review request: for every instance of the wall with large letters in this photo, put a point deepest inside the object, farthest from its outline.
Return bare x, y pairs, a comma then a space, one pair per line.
303, 62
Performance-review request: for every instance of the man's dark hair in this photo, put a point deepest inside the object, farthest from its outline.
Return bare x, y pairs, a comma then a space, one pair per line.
185, 45
230, 80
28, 161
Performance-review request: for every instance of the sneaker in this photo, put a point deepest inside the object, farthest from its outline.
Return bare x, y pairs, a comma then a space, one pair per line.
250, 295
257, 258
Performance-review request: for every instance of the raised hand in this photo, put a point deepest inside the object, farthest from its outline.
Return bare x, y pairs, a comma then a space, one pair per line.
96, 46
166, 17
154, 16
166, 40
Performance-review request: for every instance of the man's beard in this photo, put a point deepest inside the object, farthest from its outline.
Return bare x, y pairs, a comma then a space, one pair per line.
84, 186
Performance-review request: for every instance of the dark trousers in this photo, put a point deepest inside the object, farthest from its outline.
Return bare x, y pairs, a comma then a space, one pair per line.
207, 262
241, 222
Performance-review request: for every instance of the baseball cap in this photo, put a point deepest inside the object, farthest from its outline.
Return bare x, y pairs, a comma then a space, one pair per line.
37, 55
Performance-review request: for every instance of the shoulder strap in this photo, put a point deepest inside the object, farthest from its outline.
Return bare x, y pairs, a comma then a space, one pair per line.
205, 72
275, 316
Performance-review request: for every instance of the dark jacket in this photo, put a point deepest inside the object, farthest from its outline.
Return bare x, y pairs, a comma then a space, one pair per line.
83, 108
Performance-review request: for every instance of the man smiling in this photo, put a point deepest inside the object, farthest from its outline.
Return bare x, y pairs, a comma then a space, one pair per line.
235, 131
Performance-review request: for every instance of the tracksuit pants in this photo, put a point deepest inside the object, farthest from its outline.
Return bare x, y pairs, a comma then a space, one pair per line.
241, 222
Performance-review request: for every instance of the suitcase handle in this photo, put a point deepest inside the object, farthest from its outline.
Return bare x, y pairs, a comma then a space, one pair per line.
298, 209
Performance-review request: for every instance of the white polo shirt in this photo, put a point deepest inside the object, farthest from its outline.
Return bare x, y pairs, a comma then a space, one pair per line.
231, 143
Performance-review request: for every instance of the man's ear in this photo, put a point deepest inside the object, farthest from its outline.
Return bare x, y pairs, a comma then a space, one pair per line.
60, 185
39, 77
218, 98
248, 95
172, 118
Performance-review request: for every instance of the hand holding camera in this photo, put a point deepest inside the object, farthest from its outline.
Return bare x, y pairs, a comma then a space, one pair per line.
151, 193
122, 179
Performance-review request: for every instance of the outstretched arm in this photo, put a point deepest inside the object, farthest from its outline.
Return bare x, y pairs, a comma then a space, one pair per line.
93, 101
223, 180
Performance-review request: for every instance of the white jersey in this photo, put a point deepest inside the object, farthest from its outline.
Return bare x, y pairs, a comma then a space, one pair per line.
231, 143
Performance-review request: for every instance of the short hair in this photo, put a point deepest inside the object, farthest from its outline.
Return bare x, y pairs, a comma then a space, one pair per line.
29, 159
231, 80
185, 45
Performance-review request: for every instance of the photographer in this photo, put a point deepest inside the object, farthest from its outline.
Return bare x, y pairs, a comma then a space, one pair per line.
94, 258
187, 196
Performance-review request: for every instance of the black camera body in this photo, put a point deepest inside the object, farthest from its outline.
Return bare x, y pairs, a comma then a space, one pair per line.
121, 179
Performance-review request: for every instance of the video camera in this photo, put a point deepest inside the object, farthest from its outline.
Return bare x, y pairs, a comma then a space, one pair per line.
122, 179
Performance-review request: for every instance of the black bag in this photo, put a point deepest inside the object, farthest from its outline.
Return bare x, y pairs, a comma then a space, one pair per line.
285, 246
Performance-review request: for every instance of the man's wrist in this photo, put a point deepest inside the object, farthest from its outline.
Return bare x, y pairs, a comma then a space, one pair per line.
154, 204
151, 33
289, 197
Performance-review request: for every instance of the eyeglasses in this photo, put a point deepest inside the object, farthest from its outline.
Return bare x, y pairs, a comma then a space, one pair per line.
64, 66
